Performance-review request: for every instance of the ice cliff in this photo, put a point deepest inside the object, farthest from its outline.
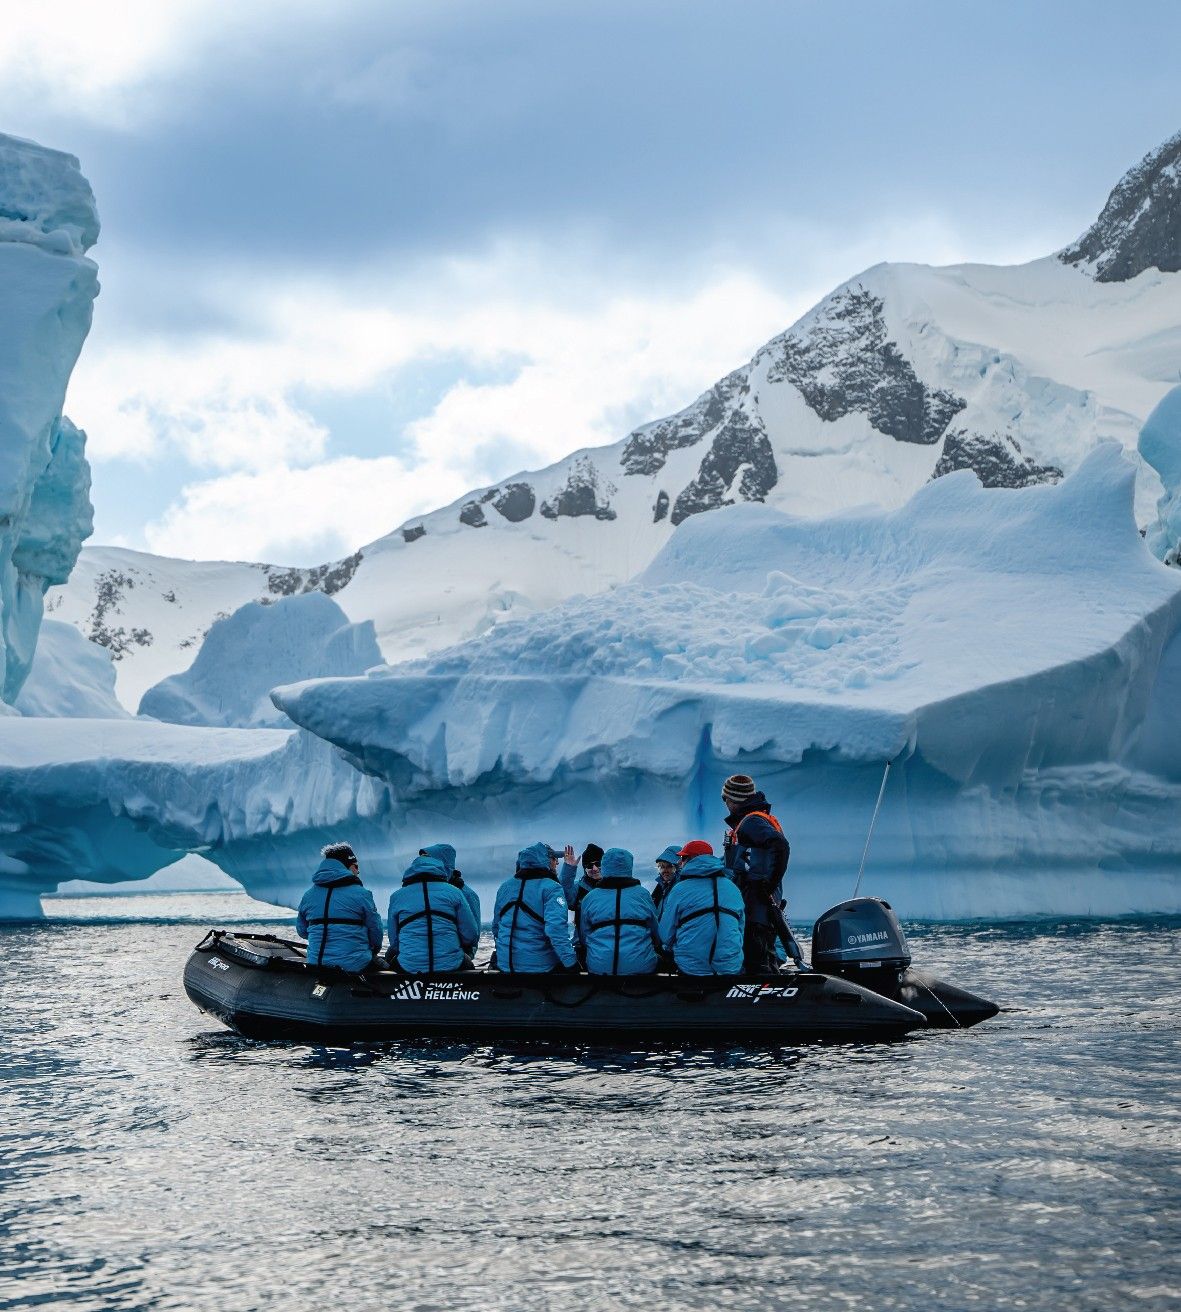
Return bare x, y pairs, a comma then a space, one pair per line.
47, 221
1016, 652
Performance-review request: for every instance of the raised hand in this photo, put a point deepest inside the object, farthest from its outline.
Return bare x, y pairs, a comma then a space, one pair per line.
569, 857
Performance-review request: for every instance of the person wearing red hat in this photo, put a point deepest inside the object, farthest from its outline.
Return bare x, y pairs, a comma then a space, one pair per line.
756, 855
702, 916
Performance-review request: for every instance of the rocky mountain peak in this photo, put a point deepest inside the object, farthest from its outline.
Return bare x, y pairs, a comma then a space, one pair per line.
1140, 226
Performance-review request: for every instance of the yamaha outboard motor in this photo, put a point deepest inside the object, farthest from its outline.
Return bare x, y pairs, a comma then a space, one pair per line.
861, 940
857, 936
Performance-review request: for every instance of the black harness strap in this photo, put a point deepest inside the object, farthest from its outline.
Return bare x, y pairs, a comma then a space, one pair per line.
327, 919
717, 911
518, 904
334, 920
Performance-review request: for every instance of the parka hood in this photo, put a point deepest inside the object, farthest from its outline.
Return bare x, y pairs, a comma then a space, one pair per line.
445, 853
617, 863
425, 867
699, 867
331, 871
534, 857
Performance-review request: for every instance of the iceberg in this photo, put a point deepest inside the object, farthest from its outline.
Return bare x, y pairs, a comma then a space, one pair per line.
47, 221
117, 800
247, 653
1160, 447
1014, 652
71, 677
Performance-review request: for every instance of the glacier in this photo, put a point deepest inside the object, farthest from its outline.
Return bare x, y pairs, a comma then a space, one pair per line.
1014, 652
47, 222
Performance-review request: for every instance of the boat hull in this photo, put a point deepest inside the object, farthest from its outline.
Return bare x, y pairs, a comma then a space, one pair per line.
282, 998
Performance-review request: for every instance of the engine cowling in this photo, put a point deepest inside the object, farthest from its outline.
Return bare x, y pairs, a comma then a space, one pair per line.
861, 934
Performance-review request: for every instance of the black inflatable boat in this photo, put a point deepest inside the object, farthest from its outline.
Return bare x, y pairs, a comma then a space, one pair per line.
261, 986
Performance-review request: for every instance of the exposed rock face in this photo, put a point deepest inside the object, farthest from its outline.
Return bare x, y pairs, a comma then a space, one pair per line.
320, 578
741, 446
845, 363
997, 460
585, 493
1140, 226
661, 508
646, 450
472, 514
110, 589
515, 501
413, 533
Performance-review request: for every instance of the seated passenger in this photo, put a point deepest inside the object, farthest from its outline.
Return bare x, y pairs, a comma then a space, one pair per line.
617, 921
446, 853
668, 866
592, 872
431, 925
702, 918
530, 921
337, 914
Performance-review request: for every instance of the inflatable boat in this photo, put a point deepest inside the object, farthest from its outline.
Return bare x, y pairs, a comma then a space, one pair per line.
261, 986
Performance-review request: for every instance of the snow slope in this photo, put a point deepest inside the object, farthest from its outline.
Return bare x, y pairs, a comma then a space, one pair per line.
904, 373
47, 287
1016, 652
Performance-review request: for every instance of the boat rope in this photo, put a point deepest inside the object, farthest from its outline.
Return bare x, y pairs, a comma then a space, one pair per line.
939, 1000
873, 821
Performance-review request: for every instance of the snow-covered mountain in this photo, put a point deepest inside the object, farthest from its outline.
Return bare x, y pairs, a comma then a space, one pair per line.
902, 374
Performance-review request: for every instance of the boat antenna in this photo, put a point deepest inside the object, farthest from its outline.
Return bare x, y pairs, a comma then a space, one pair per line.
873, 821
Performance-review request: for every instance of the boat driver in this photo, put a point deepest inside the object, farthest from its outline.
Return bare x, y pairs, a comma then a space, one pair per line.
756, 854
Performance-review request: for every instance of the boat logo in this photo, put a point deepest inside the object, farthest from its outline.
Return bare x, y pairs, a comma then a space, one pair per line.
216, 963
319, 990
417, 990
759, 992
856, 940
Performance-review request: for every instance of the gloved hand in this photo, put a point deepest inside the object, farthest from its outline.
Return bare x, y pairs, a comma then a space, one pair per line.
561, 969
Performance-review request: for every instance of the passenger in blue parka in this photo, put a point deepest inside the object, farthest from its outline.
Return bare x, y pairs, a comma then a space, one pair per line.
702, 919
446, 853
337, 914
431, 925
617, 925
531, 918
668, 866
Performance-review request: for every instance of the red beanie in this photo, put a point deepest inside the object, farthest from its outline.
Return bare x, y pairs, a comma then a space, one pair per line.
698, 847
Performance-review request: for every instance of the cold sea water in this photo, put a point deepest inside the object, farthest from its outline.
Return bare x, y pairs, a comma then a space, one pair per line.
150, 1159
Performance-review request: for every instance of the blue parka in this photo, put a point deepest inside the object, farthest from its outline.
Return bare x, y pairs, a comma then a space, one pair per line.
339, 919
446, 853
531, 917
431, 925
702, 919
617, 922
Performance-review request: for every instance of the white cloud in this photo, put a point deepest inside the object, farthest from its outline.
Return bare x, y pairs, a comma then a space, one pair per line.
585, 364
284, 515
108, 61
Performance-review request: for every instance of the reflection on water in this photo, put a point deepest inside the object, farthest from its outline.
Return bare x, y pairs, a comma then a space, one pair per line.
153, 1160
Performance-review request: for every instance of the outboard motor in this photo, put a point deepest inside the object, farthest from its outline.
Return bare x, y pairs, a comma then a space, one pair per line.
857, 936
861, 940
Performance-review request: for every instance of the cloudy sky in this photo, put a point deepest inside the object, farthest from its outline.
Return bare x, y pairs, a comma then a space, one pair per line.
360, 257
